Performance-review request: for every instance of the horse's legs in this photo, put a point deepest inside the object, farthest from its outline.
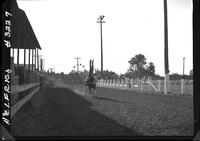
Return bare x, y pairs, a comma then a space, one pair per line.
89, 89
86, 89
95, 89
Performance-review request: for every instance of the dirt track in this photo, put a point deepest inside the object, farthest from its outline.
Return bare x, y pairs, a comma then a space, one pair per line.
58, 111
55, 111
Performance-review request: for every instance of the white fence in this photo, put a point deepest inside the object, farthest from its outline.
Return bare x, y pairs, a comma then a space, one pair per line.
175, 86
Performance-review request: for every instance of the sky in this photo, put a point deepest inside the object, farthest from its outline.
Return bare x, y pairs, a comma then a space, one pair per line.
67, 29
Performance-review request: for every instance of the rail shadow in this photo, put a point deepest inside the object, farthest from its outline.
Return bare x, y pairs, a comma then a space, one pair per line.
113, 100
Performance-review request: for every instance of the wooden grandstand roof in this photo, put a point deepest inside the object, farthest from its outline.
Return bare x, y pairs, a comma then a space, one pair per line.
22, 34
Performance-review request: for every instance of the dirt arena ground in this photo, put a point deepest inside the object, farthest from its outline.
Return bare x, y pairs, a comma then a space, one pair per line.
64, 110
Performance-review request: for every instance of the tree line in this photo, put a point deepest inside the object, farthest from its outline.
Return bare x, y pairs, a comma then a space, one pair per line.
139, 68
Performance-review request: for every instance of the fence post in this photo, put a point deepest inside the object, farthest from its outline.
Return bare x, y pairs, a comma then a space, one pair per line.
123, 87
159, 82
122, 83
100, 82
117, 83
110, 83
131, 84
114, 83
127, 83
182, 86
149, 86
141, 83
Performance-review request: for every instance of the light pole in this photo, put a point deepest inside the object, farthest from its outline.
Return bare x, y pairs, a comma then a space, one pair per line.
100, 20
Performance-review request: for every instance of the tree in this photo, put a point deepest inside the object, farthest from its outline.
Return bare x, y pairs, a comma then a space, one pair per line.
106, 74
139, 67
137, 63
151, 69
175, 76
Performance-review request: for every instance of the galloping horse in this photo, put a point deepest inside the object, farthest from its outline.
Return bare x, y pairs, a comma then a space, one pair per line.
90, 81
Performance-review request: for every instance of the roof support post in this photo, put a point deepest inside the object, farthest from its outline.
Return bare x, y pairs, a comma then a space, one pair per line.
18, 57
29, 59
24, 58
32, 58
35, 60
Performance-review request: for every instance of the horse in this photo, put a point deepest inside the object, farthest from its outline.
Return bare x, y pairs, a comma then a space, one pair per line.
90, 83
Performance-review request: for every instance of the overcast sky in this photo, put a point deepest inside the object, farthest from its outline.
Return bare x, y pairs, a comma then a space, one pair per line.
67, 29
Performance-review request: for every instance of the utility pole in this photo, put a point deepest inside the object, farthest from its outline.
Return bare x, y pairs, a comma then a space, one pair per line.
100, 20
166, 88
51, 69
77, 58
183, 67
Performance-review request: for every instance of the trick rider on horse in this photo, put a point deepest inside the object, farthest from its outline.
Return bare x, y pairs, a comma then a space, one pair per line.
90, 81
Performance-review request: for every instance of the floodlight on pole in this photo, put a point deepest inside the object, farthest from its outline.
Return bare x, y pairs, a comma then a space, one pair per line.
100, 20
